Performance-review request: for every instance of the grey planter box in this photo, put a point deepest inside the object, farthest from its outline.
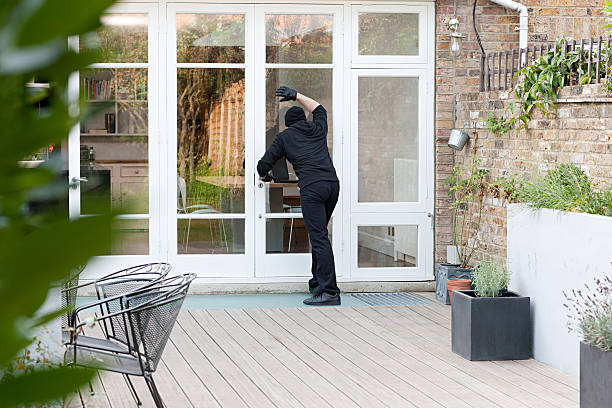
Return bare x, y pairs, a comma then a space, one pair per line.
484, 328
595, 377
445, 272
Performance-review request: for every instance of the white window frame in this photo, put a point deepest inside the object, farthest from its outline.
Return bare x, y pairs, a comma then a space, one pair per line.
225, 266
425, 163
287, 264
101, 265
409, 8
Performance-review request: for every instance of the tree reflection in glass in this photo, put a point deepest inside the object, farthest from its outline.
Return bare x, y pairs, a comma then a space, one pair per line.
299, 38
212, 38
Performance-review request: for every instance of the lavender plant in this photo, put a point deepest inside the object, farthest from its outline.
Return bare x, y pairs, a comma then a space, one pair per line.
590, 313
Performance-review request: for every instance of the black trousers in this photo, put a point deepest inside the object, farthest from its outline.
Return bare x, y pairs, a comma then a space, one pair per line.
318, 202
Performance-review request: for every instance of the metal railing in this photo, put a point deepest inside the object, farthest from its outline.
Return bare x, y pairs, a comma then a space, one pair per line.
497, 69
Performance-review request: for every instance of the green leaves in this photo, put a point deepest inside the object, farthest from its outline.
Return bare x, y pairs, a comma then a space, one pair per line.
566, 188
60, 19
38, 247
42, 386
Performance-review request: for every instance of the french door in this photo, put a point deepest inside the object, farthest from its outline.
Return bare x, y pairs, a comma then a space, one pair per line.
185, 108
224, 63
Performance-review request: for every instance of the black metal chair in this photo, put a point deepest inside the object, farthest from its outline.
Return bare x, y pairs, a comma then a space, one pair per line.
148, 316
116, 283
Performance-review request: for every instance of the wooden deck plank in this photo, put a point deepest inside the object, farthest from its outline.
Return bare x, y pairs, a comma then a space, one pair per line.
553, 374
422, 346
432, 376
184, 375
290, 354
352, 362
347, 387
532, 380
250, 367
202, 367
441, 337
240, 382
267, 360
170, 390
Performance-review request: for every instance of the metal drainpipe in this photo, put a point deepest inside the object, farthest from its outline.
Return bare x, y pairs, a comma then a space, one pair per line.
524, 15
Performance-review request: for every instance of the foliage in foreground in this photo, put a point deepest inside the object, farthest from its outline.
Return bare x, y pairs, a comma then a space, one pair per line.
490, 278
38, 248
566, 188
590, 313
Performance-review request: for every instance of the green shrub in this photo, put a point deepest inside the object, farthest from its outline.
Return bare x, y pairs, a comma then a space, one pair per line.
490, 278
566, 188
590, 313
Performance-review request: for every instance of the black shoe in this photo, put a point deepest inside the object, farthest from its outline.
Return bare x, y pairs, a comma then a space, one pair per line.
323, 299
311, 289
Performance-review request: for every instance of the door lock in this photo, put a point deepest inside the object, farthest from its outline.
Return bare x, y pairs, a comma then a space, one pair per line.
260, 184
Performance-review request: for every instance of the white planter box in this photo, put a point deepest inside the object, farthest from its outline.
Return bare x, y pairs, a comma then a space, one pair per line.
550, 252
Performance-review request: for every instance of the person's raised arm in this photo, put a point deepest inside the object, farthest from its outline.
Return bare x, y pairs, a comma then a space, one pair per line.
289, 94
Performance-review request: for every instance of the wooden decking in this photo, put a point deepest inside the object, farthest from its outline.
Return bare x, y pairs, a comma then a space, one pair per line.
336, 357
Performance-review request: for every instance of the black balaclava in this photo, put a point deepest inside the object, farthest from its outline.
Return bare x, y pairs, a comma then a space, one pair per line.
294, 114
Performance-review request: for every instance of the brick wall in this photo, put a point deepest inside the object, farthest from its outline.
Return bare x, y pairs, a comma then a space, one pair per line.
580, 133
548, 19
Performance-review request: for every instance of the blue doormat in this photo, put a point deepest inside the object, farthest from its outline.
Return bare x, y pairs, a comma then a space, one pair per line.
390, 299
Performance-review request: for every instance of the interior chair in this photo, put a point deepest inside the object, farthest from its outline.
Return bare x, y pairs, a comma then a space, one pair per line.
148, 316
183, 208
291, 209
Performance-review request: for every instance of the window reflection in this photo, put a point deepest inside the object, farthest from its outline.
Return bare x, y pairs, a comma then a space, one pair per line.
388, 34
387, 246
299, 38
210, 141
210, 38
122, 38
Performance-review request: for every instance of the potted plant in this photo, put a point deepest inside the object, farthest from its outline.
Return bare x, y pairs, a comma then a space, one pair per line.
491, 323
468, 187
591, 317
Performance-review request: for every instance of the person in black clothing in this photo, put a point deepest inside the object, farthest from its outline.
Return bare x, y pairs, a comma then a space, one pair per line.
304, 144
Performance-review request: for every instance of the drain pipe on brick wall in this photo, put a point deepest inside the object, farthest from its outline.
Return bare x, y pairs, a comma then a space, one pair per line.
524, 15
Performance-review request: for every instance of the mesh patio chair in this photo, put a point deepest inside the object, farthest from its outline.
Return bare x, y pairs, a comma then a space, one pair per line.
148, 316
116, 283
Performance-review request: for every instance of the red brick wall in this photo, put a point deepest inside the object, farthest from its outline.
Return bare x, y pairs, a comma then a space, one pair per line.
548, 19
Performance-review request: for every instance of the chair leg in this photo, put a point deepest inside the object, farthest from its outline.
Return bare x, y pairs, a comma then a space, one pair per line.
290, 234
186, 241
132, 389
81, 398
154, 393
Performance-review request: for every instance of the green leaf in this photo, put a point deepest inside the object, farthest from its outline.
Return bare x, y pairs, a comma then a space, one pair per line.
42, 386
69, 17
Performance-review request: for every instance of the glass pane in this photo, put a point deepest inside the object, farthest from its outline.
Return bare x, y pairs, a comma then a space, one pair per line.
388, 132
387, 246
114, 141
131, 237
210, 38
289, 235
299, 38
215, 236
122, 38
388, 34
210, 141
315, 83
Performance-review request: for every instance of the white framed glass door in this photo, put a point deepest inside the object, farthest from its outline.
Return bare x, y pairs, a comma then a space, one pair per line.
299, 47
391, 166
114, 157
209, 139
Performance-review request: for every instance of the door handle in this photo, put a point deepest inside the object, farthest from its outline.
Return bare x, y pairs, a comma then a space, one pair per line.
260, 184
75, 181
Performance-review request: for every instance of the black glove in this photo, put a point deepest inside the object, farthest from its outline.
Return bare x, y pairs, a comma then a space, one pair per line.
288, 94
268, 177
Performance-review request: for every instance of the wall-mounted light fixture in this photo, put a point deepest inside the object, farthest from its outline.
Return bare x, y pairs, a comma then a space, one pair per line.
455, 37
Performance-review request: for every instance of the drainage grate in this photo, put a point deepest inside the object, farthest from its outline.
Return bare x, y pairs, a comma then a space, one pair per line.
390, 299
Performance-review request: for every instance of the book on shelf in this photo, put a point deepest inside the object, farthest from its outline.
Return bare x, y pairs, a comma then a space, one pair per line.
97, 89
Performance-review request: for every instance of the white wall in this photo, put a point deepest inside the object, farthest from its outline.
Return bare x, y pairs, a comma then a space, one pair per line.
550, 252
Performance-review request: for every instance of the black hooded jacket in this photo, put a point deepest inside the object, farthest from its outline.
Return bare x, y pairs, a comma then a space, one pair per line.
304, 143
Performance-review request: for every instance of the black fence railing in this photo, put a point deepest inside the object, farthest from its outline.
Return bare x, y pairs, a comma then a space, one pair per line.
497, 69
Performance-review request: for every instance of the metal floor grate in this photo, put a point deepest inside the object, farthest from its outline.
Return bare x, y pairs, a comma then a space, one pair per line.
390, 299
